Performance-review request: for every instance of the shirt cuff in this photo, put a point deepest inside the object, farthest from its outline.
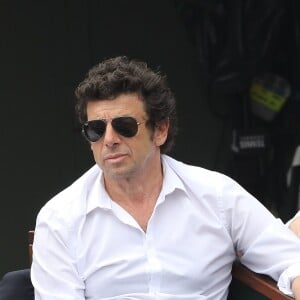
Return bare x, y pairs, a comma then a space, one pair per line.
286, 278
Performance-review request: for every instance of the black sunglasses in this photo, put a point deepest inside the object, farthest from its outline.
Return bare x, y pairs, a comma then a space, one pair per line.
125, 126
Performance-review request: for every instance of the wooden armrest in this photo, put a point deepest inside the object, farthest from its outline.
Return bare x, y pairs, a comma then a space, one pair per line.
263, 284
30, 242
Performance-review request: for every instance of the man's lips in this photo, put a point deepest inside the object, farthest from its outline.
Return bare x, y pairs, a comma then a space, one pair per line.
114, 156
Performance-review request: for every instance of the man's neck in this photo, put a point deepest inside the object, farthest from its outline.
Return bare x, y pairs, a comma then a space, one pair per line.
136, 188
137, 194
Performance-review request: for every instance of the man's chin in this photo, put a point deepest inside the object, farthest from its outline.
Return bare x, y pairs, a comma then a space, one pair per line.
119, 173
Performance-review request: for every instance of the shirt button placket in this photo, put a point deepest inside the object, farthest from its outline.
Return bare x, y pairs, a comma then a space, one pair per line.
154, 266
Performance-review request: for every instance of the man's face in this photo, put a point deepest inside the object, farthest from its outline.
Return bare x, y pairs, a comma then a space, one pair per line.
125, 157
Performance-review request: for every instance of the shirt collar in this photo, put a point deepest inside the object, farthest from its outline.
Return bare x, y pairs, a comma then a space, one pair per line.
171, 181
98, 197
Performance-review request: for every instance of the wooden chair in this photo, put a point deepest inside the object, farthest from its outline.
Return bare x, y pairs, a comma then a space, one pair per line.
30, 242
262, 284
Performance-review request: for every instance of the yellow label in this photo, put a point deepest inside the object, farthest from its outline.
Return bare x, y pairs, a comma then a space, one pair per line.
266, 97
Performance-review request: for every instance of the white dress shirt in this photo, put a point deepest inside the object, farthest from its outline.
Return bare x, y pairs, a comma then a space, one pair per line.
88, 247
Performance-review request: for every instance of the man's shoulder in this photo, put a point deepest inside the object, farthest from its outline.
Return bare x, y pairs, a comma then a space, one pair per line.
71, 200
193, 172
200, 180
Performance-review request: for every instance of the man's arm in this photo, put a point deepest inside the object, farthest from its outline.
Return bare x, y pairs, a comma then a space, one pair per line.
257, 234
54, 271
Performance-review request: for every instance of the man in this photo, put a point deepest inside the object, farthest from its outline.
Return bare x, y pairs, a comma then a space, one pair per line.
141, 225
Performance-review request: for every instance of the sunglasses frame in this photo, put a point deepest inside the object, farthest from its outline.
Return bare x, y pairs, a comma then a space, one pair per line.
106, 121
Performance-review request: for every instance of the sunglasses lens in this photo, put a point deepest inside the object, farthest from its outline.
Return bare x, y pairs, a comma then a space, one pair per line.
126, 126
94, 130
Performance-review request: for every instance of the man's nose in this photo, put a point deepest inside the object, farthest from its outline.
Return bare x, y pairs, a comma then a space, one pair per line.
111, 137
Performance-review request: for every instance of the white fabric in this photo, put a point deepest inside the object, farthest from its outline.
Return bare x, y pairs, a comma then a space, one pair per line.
88, 247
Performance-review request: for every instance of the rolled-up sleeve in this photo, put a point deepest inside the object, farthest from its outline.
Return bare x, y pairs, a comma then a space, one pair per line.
287, 277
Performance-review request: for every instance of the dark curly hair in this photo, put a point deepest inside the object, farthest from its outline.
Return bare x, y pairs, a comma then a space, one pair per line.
120, 75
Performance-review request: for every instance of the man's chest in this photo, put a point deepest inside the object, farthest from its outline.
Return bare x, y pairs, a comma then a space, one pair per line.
178, 254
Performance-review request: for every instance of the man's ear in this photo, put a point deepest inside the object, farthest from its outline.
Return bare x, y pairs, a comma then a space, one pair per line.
161, 132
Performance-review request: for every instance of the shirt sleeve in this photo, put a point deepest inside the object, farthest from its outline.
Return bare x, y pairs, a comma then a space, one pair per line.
286, 278
263, 243
53, 271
